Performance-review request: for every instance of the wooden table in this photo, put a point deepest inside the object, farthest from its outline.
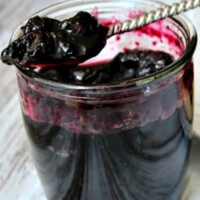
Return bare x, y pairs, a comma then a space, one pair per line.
18, 178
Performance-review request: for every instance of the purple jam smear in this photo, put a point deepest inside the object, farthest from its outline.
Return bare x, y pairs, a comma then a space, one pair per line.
47, 42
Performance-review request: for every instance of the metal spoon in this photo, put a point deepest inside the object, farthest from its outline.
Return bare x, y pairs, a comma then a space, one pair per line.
153, 16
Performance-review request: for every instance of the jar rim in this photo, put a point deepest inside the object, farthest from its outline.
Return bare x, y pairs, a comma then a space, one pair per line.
177, 65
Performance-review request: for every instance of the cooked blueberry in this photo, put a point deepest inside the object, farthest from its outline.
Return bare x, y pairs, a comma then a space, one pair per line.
52, 42
38, 23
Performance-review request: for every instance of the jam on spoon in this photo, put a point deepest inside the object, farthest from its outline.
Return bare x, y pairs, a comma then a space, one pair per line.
47, 42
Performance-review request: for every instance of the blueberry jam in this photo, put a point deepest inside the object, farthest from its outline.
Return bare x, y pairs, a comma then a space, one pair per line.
125, 66
136, 149
46, 42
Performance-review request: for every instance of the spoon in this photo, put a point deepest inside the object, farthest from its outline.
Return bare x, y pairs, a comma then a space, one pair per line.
153, 16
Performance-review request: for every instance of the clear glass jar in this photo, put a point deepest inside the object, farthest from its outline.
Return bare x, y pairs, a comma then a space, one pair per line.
122, 141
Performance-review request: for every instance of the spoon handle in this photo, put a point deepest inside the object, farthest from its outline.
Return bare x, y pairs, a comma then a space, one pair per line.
152, 16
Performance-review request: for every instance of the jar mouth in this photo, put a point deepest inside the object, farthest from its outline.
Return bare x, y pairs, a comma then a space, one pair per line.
176, 66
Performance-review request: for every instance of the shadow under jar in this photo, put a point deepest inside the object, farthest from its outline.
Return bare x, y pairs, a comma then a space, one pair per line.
120, 141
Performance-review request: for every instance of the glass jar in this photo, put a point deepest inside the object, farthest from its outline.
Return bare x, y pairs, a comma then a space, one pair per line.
122, 141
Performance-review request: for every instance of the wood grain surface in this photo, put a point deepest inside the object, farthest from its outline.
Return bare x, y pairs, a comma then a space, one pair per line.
18, 177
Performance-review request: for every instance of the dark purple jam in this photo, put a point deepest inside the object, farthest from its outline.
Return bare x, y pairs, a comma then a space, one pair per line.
120, 151
125, 66
45, 42
141, 163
